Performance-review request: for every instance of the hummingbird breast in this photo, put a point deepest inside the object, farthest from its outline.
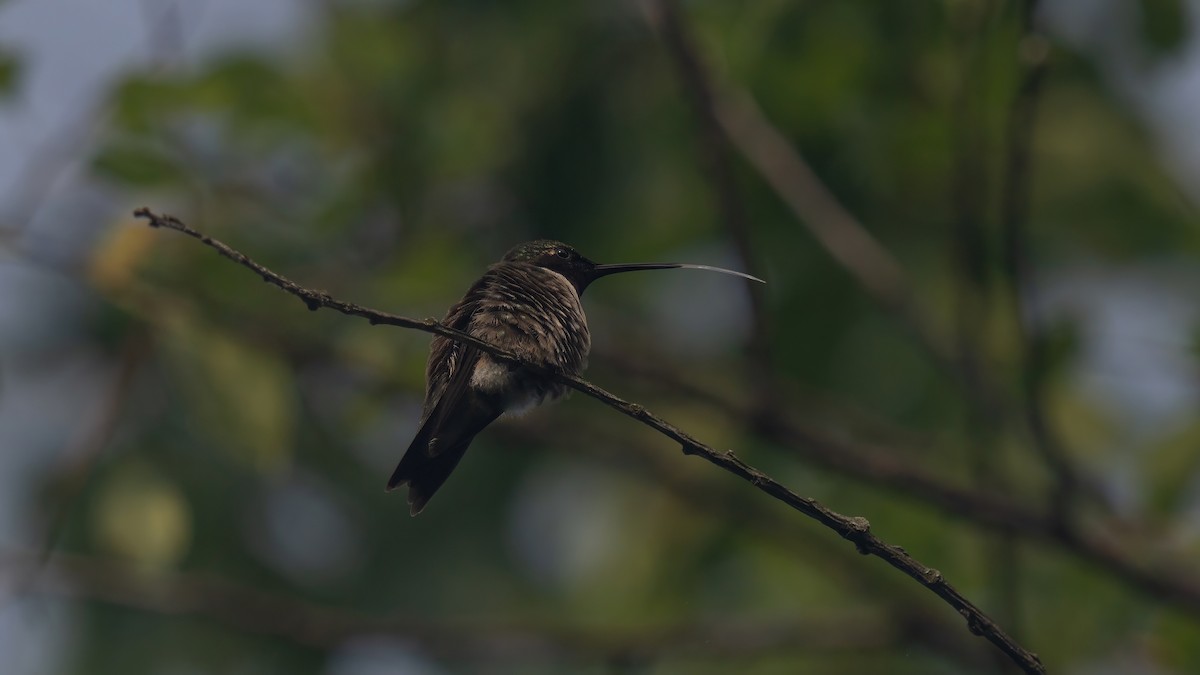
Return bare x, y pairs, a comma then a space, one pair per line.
534, 313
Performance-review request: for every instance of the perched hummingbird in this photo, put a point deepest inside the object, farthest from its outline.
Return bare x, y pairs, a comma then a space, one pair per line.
528, 303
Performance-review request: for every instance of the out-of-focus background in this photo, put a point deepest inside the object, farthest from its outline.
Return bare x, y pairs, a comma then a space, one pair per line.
978, 221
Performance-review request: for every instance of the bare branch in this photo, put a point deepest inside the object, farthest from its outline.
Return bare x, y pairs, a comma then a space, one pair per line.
1034, 62
840, 565
855, 529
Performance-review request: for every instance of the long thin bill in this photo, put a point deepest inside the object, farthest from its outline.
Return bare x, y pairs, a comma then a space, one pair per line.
605, 270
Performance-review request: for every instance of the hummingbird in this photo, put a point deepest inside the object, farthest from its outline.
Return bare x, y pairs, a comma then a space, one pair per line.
529, 304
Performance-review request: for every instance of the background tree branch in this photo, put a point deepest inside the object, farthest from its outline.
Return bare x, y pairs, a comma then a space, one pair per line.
1033, 63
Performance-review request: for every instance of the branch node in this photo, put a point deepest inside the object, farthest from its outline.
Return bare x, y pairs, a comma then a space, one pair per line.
858, 531
974, 624
860, 525
933, 577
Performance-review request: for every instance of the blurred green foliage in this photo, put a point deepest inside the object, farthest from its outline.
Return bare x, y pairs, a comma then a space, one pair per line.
406, 145
10, 72
1164, 24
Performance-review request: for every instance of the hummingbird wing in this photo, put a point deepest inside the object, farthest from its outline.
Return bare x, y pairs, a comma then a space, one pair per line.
453, 415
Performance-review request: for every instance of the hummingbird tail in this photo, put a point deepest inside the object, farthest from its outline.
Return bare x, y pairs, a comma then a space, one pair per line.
435, 452
424, 474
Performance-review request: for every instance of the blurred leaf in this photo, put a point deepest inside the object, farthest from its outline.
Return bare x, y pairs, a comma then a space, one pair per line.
1093, 625
10, 72
1172, 471
115, 259
140, 102
1164, 24
1106, 179
143, 516
1178, 638
248, 89
240, 397
1193, 344
1059, 342
254, 88
138, 165
1085, 429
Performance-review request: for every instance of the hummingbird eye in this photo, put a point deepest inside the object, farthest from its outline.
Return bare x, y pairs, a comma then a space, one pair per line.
562, 253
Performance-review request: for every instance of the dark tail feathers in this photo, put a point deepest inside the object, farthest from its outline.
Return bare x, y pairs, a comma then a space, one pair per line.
433, 454
424, 474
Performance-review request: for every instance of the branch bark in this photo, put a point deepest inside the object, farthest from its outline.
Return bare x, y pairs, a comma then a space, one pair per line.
857, 530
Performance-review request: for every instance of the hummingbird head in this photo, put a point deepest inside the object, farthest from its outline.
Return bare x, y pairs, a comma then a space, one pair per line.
561, 258
555, 256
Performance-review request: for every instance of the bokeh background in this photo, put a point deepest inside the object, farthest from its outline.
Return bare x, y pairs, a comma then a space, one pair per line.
997, 364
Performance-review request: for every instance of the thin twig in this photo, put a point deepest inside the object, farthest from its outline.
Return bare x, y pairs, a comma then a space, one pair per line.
1033, 54
1170, 585
839, 565
854, 529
